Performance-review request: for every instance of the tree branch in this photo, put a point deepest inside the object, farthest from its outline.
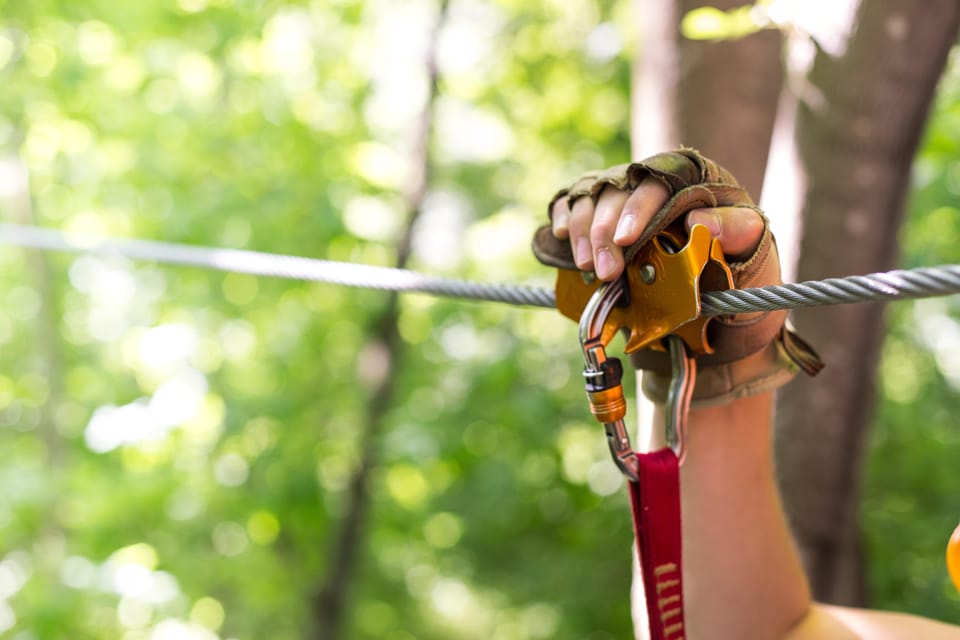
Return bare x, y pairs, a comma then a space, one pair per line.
331, 602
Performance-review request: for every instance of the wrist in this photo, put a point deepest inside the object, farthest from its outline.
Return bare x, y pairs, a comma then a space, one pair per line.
771, 367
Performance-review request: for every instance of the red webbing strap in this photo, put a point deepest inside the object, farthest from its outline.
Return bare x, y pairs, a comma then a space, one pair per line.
655, 502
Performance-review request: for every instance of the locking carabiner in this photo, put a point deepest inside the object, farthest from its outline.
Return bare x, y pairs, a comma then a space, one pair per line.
603, 376
663, 312
603, 379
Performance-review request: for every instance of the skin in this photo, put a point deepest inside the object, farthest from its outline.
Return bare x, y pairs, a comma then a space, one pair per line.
742, 574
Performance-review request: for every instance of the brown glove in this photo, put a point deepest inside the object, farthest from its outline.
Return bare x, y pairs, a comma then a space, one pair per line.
754, 352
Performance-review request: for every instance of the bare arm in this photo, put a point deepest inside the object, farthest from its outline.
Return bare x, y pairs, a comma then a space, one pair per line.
742, 575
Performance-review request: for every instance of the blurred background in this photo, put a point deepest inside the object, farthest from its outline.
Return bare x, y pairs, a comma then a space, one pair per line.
193, 454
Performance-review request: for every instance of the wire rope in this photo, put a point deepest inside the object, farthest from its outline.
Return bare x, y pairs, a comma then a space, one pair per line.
890, 285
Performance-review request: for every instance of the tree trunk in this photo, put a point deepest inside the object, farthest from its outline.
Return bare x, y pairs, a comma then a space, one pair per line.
653, 78
856, 142
681, 91
727, 97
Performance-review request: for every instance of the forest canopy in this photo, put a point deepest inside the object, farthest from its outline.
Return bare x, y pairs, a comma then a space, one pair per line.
178, 447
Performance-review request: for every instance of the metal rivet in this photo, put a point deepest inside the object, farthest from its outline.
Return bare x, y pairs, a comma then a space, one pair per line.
589, 277
648, 273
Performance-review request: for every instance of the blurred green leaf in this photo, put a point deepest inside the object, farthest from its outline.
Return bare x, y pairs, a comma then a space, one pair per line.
710, 23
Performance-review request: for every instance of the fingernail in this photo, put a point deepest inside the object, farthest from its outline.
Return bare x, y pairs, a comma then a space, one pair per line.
625, 228
708, 219
605, 264
583, 252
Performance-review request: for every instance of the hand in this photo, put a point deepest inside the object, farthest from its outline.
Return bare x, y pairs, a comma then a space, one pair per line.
598, 234
605, 215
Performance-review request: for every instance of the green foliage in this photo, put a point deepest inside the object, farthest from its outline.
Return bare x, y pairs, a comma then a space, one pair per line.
711, 23
911, 503
175, 444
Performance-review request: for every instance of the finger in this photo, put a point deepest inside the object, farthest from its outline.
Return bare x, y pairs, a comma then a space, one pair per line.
579, 226
739, 230
639, 208
607, 256
560, 218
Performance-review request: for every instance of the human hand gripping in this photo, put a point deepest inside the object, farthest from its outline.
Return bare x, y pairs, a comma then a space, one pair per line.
742, 577
599, 233
599, 223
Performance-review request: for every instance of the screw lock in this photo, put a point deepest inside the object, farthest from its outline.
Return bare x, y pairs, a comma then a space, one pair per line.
609, 376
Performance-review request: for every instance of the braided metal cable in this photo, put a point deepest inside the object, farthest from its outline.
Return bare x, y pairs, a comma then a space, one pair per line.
891, 285
274, 265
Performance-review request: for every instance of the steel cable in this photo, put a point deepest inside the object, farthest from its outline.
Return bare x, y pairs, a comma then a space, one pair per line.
890, 285
274, 265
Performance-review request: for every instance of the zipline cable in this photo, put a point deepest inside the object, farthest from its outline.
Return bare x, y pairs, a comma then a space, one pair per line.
924, 282
891, 285
274, 265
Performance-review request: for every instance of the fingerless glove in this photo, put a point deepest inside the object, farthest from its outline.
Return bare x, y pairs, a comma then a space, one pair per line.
753, 352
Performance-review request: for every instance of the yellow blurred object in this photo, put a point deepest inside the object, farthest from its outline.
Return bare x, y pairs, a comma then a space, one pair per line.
953, 557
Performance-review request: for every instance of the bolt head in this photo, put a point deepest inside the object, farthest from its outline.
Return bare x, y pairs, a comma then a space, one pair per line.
648, 273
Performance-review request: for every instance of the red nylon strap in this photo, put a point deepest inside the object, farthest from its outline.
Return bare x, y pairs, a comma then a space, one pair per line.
655, 502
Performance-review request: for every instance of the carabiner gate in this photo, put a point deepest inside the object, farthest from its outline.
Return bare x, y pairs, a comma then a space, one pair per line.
603, 376
683, 367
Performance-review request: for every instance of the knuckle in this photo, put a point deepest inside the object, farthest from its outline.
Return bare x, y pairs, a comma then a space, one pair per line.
581, 215
601, 234
560, 209
582, 205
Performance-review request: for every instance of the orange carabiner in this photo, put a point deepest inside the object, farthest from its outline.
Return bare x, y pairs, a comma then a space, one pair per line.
953, 557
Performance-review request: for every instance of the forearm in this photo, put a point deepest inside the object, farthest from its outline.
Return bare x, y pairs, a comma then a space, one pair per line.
742, 576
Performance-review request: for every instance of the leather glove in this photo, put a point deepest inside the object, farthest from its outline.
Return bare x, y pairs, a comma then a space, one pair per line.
754, 352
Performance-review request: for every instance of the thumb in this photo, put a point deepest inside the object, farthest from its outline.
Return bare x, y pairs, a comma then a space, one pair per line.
739, 230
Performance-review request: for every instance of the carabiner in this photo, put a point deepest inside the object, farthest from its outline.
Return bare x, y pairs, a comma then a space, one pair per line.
683, 378
603, 376
603, 379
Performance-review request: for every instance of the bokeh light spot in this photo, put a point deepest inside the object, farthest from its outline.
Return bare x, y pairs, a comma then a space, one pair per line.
263, 527
443, 530
407, 485
208, 612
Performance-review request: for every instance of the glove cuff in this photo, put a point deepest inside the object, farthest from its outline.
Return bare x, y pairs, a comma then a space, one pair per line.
767, 369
